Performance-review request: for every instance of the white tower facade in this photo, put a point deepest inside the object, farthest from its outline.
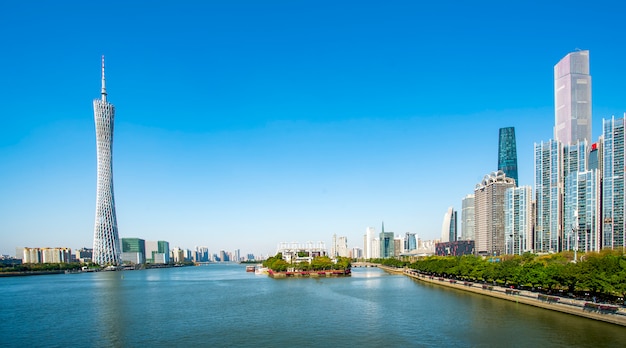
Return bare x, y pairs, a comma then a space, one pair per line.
572, 98
106, 240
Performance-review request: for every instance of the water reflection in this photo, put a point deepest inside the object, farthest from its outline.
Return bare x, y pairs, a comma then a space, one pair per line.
108, 309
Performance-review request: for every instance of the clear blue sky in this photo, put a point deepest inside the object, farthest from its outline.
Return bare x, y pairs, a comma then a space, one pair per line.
242, 124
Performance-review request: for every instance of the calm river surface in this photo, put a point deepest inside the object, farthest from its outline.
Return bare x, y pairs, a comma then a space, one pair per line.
221, 305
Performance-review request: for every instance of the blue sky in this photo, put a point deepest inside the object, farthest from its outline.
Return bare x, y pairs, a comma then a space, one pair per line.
242, 124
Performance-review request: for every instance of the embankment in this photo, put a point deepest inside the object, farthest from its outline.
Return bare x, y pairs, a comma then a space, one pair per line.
607, 313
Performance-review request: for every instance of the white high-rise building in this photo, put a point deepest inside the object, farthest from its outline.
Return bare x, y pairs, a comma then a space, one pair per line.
448, 227
370, 235
518, 220
467, 218
106, 240
489, 213
548, 196
572, 98
613, 193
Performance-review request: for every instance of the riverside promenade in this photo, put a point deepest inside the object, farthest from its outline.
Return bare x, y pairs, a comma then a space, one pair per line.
607, 313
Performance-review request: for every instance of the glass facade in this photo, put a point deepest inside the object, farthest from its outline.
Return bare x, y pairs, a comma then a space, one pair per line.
410, 243
613, 184
518, 220
467, 218
387, 245
507, 153
548, 196
572, 98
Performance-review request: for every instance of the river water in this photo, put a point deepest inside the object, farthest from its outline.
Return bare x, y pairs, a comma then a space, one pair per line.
221, 305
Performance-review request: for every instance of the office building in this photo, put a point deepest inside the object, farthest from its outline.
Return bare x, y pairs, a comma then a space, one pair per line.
410, 243
84, 255
613, 162
518, 220
133, 250
45, 255
489, 213
548, 196
387, 245
582, 223
158, 252
449, 226
507, 153
572, 98
106, 241
467, 218
342, 247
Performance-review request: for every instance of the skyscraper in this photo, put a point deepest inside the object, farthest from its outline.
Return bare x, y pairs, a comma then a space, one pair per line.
467, 218
613, 190
518, 224
548, 196
106, 240
572, 98
489, 213
507, 153
449, 230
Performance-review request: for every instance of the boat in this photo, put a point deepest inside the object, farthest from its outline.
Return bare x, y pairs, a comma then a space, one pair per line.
261, 270
250, 268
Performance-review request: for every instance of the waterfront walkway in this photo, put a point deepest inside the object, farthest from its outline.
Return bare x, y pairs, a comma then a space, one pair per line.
603, 312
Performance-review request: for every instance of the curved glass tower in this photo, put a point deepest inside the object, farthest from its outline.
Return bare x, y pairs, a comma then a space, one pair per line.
106, 240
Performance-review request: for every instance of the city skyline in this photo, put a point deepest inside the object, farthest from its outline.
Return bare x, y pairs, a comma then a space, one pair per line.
239, 131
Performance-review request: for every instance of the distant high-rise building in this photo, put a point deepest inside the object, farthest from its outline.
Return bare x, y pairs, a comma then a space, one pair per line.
467, 218
581, 199
518, 220
342, 247
410, 243
613, 194
581, 211
387, 244
572, 98
106, 240
449, 231
134, 250
507, 153
370, 236
548, 196
489, 213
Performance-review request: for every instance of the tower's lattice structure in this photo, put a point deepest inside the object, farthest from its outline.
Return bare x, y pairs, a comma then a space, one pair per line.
106, 240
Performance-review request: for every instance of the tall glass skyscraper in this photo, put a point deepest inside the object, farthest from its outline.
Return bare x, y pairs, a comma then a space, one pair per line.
507, 153
518, 224
572, 99
613, 191
548, 196
449, 231
467, 218
106, 240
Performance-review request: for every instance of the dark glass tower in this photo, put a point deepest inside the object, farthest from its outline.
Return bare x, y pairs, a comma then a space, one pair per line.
507, 153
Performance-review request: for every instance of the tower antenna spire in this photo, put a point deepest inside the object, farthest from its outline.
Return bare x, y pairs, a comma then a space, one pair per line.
104, 89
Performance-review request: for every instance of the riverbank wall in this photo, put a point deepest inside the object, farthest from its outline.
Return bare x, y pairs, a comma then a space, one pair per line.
607, 313
297, 274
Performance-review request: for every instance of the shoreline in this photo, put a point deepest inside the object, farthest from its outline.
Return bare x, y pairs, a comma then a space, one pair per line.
606, 313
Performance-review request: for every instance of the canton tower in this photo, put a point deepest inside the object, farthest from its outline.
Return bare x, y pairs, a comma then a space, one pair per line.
106, 240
